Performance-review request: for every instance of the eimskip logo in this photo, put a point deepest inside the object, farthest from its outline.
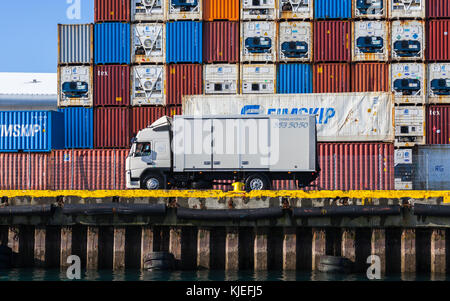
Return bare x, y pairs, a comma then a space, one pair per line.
19, 130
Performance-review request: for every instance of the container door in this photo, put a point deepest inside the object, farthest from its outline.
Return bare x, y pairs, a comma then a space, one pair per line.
254, 145
226, 144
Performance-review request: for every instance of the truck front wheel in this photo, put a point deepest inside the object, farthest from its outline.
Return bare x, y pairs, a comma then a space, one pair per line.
153, 182
257, 182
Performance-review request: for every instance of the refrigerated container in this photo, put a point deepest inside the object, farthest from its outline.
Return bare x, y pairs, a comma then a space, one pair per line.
408, 40
78, 128
438, 79
181, 80
142, 117
294, 78
111, 127
296, 9
438, 124
221, 42
75, 85
404, 169
295, 41
258, 41
258, 10
370, 9
221, 10
409, 126
370, 41
112, 43
184, 42
144, 10
75, 44
149, 43
438, 9
370, 77
148, 85
332, 9
112, 85
258, 79
332, 41
221, 79
432, 167
184, 9
331, 78
24, 171
408, 82
112, 10
438, 42
399, 9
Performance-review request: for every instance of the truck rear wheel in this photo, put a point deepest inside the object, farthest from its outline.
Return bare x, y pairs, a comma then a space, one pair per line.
257, 182
153, 182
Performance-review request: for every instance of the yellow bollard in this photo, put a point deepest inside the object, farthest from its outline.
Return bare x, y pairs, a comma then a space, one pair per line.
238, 187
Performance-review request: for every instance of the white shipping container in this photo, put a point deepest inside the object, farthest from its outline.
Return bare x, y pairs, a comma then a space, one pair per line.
296, 9
408, 40
258, 10
369, 9
144, 10
221, 79
403, 166
149, 43
439, 83
295, 41
370, 41
148, 85
342, 117
408, 82
409, 126
258, 41
258, 79
407, 9
75, 86
184, 9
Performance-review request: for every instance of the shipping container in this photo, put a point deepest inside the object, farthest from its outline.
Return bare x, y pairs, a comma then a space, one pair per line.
183, 80
221, 10
112, 43
149, 43
88, 169
112, 85
258, 79
78, 128
409, 126
221, 79
438, 124
432, 167
370, 77
174, 110
403, 169
399, 9
258, 41
295, 41
370, 41
294, 79
258, 10
408, 40
332, 41
31, 131
344, 117
438, 83
24, 171
149, 85
408, 82
144, 10
438, 9
331, 78
438, 42
332, 9
184, 41
112, 11
142, 117
370, 9
75, 85
75, 44
296, 10
111, 127
184, 10
221, 42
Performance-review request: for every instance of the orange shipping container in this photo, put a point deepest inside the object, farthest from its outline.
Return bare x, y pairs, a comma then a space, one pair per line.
23, 171
370, 77
221, 10
331, 78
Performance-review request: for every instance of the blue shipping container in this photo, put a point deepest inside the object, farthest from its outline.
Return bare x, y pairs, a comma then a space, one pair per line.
112, 43
294, 79
432, 167
332, 9
31, 131
79, 128
184, 42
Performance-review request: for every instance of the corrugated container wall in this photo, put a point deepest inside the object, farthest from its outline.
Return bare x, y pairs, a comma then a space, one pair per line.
331, 78
332, 41
112, 43
438, 124
78, 127
31, 131
221, 10
431, 167
183, 80
332, 9
370, 77
24, 171
184, 42
112, 10
174, 110
75, 44
111, 127
112, 85
294, 78
141, 118
221, 42
438, 9
438, 40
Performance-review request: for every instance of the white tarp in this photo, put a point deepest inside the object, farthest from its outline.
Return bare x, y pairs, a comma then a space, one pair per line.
341, 117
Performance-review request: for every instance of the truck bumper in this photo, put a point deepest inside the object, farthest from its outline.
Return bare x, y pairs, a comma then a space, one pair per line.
132, 184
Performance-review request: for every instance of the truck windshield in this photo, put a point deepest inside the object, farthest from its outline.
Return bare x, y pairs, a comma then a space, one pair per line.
143, 149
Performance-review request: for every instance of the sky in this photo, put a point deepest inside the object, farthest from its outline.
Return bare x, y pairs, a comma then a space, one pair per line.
29, 32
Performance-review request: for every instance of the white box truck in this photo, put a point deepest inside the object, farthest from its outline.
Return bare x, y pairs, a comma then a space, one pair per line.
194, 151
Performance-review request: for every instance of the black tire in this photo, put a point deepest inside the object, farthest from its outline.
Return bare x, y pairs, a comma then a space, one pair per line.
157, 182
158, 255
262, 182
325, 268
335, 260
335, 264
158, 265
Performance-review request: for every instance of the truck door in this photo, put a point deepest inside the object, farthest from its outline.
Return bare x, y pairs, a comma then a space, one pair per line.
198, 144
225, 144
254, 143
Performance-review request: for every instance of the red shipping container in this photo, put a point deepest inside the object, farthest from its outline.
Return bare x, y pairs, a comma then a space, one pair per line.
112, 85
370, 77
438, 124
174, 110
142, 117
221, 42
438, 42
332, 41
24, 171
112, 128
183, 79
112, 10
438, 9
331, 78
